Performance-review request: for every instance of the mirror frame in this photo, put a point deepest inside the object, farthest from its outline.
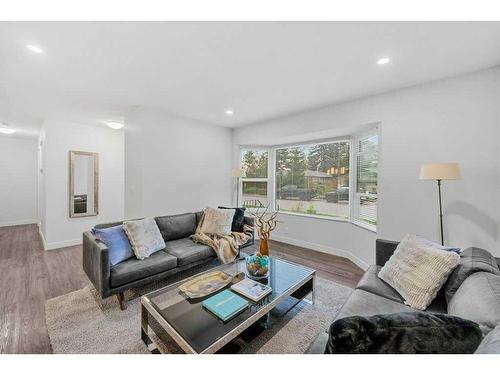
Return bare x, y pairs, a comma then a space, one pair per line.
72, 155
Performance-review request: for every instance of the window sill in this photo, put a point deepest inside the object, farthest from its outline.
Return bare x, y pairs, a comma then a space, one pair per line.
344, 220
369, 227
360, 224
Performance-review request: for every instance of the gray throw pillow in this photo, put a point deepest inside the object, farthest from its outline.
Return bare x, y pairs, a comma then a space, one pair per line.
478, 299
144, 236
472, 259
403, 333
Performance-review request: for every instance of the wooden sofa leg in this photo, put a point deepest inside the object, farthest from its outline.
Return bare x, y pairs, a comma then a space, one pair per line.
121, 301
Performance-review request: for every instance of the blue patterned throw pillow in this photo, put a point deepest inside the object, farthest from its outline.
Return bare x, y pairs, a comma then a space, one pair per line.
117, 243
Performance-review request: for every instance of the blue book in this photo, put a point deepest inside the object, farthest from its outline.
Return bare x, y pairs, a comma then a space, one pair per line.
225, 305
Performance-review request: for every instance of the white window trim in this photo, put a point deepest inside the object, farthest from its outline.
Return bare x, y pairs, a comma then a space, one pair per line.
271, 169
353, 194
257, 179
312, 142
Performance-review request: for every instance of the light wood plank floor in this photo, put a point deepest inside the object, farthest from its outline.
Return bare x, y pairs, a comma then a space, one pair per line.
29, 276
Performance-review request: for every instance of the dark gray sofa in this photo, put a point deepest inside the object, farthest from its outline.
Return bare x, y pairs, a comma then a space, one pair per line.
372, 296
180, 254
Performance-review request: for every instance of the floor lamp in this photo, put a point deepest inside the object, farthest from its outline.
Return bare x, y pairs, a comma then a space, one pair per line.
236, 173
439, 172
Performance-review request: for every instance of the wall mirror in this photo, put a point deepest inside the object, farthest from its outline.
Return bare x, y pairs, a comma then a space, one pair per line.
83, 183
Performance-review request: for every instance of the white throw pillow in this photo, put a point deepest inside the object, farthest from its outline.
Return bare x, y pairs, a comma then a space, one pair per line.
217, 221
418, 272
144, 236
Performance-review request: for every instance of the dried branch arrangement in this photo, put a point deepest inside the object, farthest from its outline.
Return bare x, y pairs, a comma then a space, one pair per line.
265, 225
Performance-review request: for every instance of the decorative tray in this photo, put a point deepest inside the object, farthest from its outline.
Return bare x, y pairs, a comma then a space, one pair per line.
205, 284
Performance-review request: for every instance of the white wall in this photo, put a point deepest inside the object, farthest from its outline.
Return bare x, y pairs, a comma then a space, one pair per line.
174, 165
58, 228
454, 120
18, 180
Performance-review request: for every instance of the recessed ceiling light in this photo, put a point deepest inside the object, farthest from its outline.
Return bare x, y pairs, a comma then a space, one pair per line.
33, 48
229, 112
383, 61
115, 125
5, 130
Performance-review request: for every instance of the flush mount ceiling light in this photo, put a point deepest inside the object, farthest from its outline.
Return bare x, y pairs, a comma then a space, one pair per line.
33, 48
229, 112
115, 125
5, 130
383, 61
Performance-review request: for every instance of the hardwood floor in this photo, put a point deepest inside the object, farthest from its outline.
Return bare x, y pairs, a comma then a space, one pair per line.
330, 267
29, 276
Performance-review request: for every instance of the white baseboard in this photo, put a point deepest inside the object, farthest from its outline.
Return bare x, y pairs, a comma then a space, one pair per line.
324, 249
18, 222
58, 245
44, 243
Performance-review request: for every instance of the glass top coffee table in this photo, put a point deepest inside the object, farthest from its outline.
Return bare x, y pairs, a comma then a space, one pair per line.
169, 314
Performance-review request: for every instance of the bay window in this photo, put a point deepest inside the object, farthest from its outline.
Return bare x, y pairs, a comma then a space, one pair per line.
334, 179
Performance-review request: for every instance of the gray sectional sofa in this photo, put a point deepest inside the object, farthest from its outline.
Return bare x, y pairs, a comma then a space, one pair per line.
180, 254
477, 299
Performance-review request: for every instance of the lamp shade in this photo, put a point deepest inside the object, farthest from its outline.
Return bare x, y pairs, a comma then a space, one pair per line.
440, 171
237, 172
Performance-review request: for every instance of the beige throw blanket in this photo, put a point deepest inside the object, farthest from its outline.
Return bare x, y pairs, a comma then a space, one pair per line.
225, 246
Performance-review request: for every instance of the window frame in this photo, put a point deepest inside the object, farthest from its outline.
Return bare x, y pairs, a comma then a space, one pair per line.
271, 174
308, 143
354, 187
255, 179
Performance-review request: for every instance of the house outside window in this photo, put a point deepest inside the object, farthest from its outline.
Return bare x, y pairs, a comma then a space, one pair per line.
336, 179
313, 179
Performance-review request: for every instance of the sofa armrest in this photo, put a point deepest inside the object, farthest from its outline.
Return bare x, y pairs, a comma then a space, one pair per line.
384, 250
96, 263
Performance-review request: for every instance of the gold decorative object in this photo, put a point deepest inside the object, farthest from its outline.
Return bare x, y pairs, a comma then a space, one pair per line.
264, 228
205, 284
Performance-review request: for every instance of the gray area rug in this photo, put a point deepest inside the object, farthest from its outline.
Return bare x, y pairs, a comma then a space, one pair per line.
82, 322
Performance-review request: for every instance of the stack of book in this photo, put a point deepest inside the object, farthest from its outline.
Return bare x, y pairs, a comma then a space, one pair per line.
227, 304
251, 289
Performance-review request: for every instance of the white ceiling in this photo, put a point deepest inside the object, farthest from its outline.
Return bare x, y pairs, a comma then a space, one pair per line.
92, 72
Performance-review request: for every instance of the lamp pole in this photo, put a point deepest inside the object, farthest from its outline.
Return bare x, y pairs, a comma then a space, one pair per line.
440, 212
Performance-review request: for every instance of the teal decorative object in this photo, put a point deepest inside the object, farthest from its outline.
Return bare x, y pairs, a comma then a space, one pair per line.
257, 266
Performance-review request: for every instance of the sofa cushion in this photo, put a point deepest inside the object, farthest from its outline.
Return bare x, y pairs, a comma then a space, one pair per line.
134, 269
418, 272
217, 221
478, 299
472, 259
406, 333
116, 241
370, 282
144, 236
174, 227
364, 303
199, 216
187, 251
491, 343
238, 218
